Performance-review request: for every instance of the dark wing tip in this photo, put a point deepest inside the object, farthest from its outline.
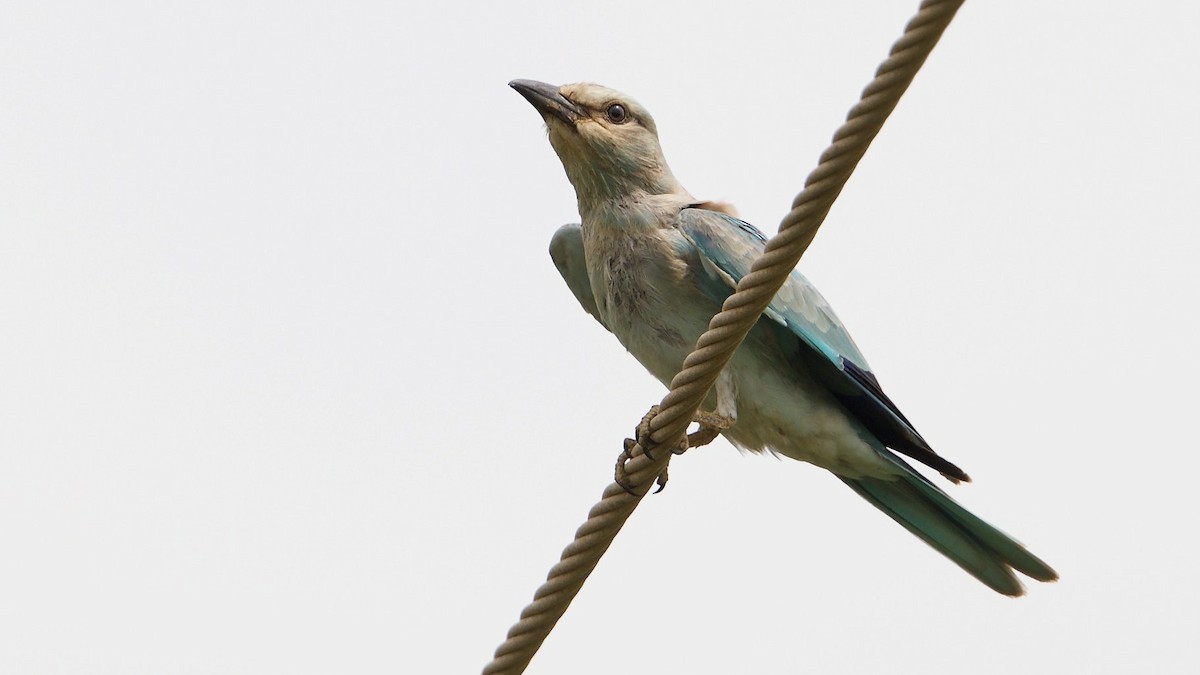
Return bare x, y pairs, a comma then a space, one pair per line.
956, 478
910, 443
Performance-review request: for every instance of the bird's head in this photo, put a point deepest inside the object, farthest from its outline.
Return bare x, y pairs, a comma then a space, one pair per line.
607, 141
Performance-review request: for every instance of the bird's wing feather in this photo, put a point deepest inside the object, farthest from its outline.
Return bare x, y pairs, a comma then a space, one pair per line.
732, 245
727, 247
566, 250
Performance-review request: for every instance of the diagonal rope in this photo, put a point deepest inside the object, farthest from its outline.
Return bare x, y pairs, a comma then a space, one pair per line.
725, 332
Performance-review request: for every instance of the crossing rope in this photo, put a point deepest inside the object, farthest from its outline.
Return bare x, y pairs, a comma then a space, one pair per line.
725, 332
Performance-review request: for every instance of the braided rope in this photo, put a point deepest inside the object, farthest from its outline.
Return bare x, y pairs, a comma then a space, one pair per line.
726, 331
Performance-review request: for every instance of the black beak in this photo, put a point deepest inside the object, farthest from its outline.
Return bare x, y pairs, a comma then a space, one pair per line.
547, 100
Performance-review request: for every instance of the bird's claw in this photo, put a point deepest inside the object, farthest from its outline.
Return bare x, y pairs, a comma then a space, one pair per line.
661, 481
620, 477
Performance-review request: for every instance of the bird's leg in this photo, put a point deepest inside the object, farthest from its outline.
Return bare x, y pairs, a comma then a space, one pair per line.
711, 426
714, 422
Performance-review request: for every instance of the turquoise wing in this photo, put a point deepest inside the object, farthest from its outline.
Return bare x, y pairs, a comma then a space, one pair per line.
727, 248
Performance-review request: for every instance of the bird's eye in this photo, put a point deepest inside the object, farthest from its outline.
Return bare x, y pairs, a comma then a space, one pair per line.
617, 114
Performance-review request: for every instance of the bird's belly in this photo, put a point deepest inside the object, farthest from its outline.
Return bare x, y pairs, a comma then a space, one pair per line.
780, 408
661, 334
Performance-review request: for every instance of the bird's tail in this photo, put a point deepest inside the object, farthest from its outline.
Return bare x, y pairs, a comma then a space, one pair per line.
923, 509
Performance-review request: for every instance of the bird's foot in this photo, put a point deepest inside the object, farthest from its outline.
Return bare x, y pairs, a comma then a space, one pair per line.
622, 478
642, 435
642, 438
711, 426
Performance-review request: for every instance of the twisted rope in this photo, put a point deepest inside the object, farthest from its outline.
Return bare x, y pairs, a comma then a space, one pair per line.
725, 332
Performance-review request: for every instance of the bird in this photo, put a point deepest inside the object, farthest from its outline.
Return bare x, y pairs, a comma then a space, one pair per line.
652, 264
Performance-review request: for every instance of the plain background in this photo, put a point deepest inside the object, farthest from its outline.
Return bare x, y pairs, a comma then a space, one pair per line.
288, 383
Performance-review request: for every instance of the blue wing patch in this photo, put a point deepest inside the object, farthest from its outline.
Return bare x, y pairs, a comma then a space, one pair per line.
727, 247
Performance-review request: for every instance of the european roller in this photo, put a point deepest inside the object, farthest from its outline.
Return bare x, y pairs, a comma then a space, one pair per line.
653, 264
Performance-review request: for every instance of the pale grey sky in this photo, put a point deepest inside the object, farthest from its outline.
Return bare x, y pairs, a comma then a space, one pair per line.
288, 383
